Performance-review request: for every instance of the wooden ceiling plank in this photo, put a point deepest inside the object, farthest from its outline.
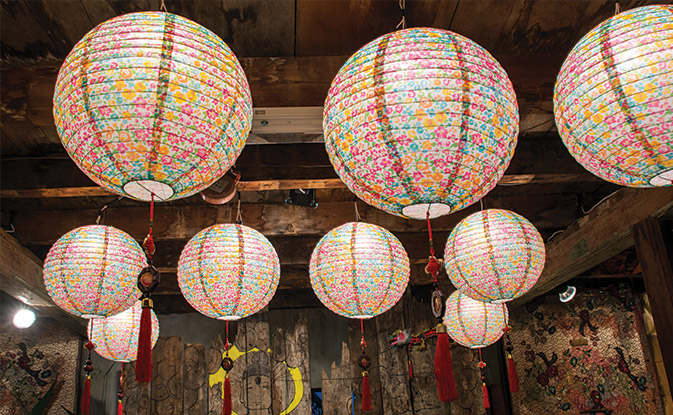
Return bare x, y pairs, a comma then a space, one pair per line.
21, 277
599, 235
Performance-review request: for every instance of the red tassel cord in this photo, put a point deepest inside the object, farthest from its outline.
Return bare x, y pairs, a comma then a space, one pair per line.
147, 282
484, 390
511, 367
120, 392
227, 365
86, 393
446, 385
365, 362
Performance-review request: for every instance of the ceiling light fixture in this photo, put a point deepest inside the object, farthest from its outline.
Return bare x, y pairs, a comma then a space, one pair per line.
568, 294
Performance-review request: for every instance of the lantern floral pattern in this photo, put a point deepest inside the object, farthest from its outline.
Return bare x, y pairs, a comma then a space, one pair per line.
494, 255
421, 120
92, 271
359, 270
613, 98
152, 103
228, 271
116, 337
473, 323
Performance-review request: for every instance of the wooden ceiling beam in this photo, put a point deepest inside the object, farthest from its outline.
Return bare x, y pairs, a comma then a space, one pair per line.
21, 277
603, 232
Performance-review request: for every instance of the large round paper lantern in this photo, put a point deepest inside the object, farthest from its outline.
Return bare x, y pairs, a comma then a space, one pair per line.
421, 119
613, 99
494, 255
92, 271
152, 103
359, 270
473, 323
116, 337
228, 271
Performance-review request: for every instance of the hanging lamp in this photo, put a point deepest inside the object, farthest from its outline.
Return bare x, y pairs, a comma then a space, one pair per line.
421, 120
494, 255
359, 270
152, 103
612, 99
92, 271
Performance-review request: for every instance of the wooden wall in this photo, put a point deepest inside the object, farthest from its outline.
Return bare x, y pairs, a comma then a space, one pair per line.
271, 372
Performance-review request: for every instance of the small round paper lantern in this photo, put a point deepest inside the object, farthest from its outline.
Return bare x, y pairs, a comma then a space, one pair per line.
228, 271
494, 255
92, 271
152, 103
116, 337
613, 98
359, 270
473, 323
421, 119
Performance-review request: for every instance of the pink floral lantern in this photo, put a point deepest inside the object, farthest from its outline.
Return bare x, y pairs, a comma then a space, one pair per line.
228, 271
612, 99
421, 120
473, 323
152, 103
494, 255
92, 271
116, 337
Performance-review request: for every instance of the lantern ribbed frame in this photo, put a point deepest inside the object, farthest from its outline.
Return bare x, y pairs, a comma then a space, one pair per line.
421, 117
92, 271
116, 337
494, 255
473, 323
152, 102
359, 270
612, 100
228, 271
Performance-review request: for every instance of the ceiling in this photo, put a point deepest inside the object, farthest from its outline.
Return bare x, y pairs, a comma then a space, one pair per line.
290, 50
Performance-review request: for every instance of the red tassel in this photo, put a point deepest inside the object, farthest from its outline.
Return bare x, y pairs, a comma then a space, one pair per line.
513, 378
446, 385
144, 362
86, 396
366, 396
226, 404
487, 404
120, 408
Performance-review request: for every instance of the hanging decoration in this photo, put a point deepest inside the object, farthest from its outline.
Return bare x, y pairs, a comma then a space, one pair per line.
511, 366
612, 99
91, 271
446, 384
475, 324
227, 364
228, 271
120, 392
359, 270
421, 120
88, 368
494, 255
116, 337
152, 103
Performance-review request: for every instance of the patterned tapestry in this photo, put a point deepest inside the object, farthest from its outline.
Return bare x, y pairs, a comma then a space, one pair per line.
38, 370
589, 354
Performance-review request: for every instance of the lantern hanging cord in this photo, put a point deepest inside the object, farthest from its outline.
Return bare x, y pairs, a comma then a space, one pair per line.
363, 343
403, 21
239, 217
617, 8
358, 218
107, 205
163, 7
226, 341
481, 203
148, 243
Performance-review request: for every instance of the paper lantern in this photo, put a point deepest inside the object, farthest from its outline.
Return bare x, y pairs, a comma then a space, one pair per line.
421, 119
228, 271
359, 270
116, 337
152, 103
494, 255
92, 271
473, 323
613, 98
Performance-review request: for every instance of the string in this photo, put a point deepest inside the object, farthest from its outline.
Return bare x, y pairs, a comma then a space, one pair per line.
226, 344
481, 203
163, 7
617, 8
432, 249
362, 330
102, 210
403, 22
358, 218
148, 243
239, 217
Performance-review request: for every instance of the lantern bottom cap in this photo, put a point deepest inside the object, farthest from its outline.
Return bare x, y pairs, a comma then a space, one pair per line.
92, 316
143, 190
229, 318
500, 301
420, 210
663, 179
362, 317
